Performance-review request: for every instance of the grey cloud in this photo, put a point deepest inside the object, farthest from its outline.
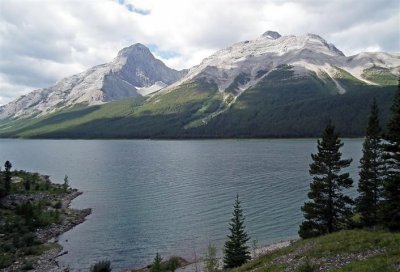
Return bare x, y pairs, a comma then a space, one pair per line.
364, 36
25, 75
35, 36
8, 95
370, 18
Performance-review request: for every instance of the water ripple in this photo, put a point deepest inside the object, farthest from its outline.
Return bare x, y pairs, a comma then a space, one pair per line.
173, 196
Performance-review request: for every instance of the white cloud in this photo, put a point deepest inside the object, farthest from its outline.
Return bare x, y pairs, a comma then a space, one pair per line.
42, 41
10, 91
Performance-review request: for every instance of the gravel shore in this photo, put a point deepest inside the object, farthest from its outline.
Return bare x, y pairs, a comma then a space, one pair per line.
199, 266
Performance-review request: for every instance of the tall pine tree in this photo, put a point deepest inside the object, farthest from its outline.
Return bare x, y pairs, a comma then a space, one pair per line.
236, 250
329, 209
391, 192
371, 171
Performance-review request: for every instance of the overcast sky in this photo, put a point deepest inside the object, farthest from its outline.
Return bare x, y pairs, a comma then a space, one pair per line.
42, 41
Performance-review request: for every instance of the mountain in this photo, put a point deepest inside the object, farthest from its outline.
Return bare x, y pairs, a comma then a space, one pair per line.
272, 86
134, 72
242, 65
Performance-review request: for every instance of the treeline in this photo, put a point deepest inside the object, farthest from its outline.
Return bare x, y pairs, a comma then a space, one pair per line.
378, 203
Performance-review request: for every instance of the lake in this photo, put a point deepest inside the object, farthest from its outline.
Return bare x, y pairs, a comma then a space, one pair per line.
173, 197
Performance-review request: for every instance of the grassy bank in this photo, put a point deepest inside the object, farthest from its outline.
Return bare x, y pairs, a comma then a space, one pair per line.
354, 250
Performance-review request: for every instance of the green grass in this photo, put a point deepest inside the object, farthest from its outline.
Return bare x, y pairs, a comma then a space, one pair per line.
383, 248
239, 80
380, 75
344, 75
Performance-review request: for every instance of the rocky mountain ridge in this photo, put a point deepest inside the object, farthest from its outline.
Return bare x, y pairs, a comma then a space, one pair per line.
134, 72
243, 64
233, 70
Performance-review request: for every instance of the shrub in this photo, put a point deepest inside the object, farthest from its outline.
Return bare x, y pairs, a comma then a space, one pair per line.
101, 266
211, 260
5, 260
172, 264
28, 239
57, 205
307, 266
28, 266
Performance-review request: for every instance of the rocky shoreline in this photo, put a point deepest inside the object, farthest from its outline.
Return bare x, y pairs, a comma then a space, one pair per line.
260, 251
47, 262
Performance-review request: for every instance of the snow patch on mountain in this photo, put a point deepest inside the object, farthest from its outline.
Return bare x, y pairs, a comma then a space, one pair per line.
151, 89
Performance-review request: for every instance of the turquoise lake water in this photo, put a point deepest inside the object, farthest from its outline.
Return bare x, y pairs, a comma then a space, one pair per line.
173, 197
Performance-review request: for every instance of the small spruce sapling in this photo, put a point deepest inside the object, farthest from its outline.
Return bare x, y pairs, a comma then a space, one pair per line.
66, 183
156, 266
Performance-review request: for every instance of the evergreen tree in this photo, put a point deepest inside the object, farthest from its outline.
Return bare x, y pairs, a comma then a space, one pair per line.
236, 250
27, 184
66, 183
330, 208
391, 192
2, 189
156, 267
371, 171
7, 176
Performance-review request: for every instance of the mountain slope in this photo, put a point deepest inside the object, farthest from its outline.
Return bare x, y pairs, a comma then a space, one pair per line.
349, 250
273, 86
284, 105
138, 117
133, 72
185, 113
